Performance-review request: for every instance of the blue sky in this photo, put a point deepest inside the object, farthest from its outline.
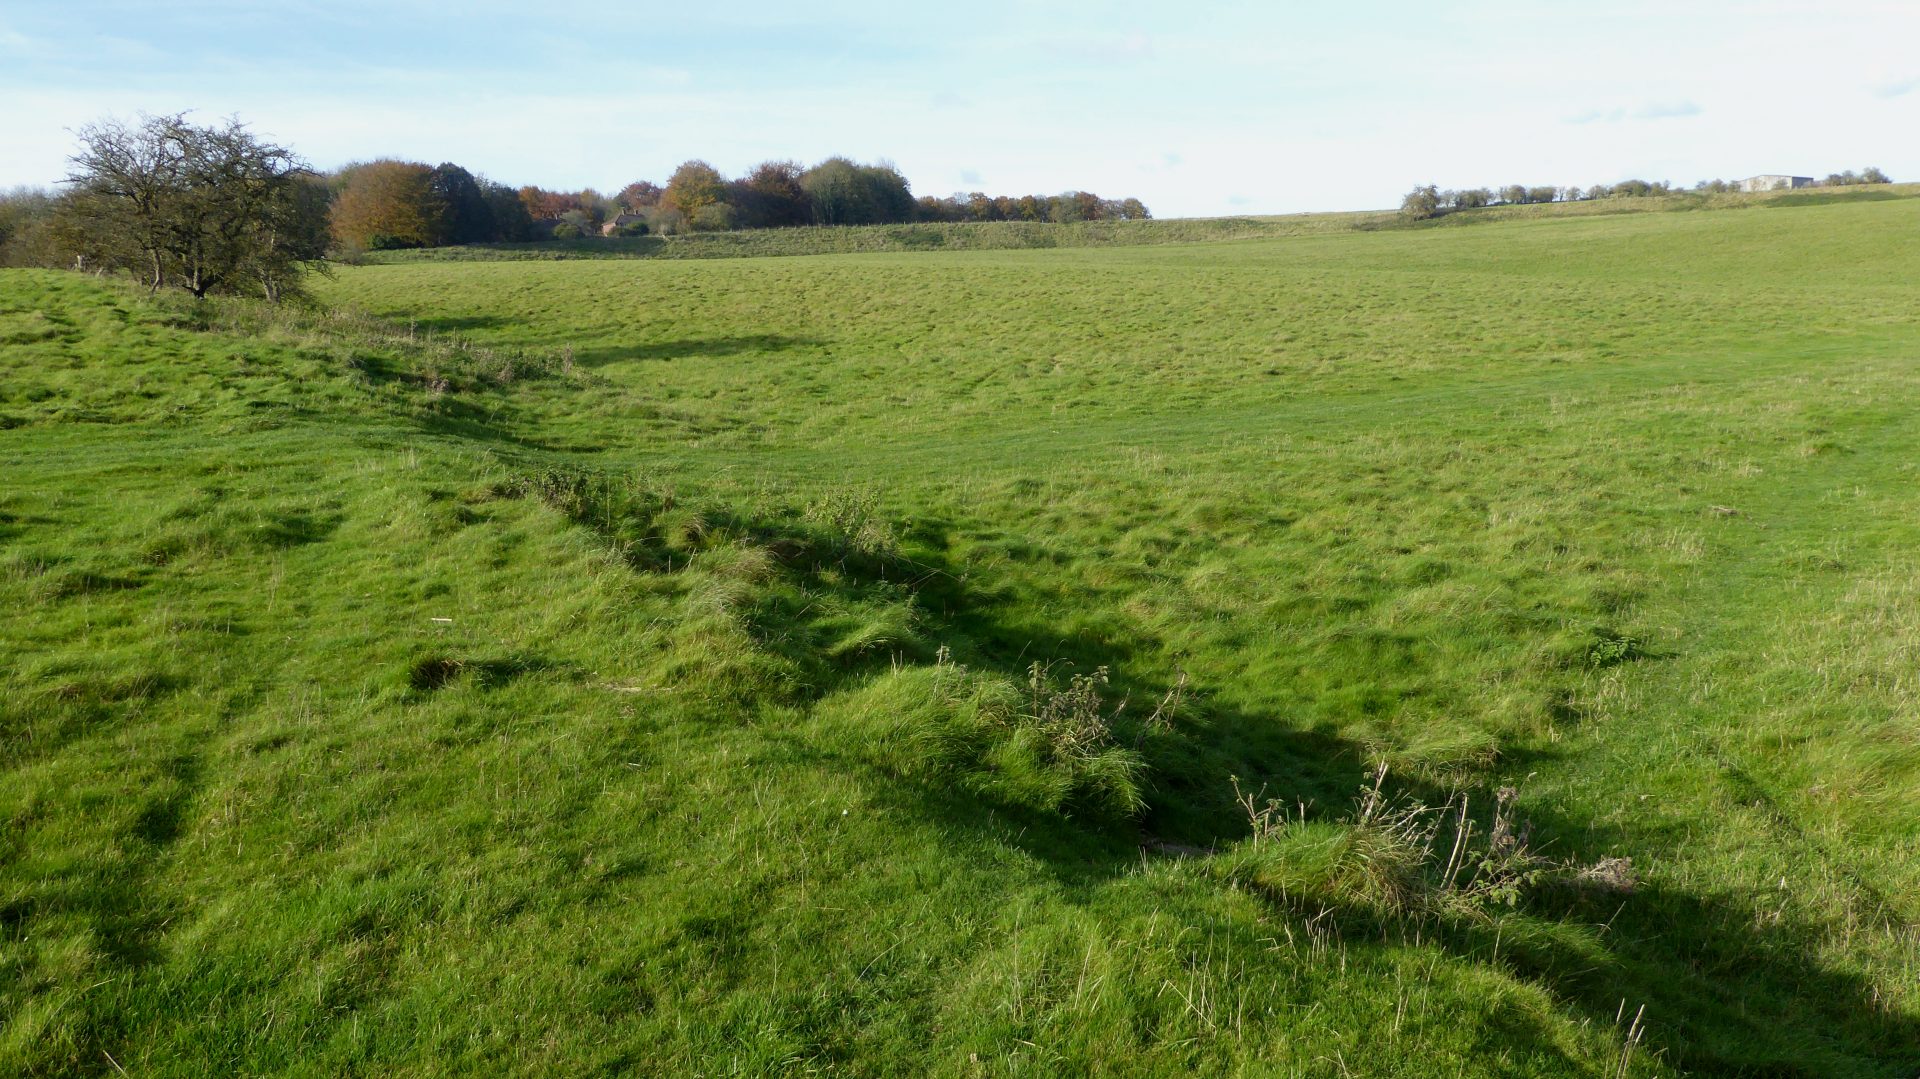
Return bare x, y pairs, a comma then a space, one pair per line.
1198, 108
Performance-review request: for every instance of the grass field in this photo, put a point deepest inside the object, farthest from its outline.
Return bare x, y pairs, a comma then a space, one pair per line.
1026, 235
972, 663
876, 239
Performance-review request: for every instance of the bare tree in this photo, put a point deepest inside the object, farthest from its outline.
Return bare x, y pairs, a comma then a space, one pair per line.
204, 208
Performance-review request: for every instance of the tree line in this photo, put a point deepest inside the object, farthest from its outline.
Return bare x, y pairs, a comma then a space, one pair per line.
1072, 206
1429, 200
408, 204
218, 209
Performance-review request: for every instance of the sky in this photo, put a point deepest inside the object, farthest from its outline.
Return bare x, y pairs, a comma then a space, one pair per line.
1198, 108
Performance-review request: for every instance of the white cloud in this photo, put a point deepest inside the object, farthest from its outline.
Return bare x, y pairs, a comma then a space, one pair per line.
1103, 47
1657, 110
1667, 110
1284, 107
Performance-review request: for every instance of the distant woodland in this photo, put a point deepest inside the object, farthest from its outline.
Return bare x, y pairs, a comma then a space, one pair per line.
388, 203
217, 209
197, 206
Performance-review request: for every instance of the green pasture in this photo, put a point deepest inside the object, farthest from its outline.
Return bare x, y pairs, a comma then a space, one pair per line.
971, 662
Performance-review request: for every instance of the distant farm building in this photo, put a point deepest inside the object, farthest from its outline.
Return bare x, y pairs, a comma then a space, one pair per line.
1775, 183
623, 221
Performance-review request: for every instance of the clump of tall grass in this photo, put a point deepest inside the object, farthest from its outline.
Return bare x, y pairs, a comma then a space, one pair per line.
1045, 746
1403, 859
851, 519
1068, 732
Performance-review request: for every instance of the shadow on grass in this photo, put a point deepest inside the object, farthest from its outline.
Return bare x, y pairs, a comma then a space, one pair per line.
13, 524
112, 894
477, 406
457, 324
689, 349
1731, 985
437, 671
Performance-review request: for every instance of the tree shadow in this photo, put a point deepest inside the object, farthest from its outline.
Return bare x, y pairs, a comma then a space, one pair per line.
1731, 985
455, 324
293, 528
688, 349
13, 525
113, 896
1191, 801
438, 670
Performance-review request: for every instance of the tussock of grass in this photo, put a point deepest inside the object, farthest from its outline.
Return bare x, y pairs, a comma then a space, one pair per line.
1403, 860
944, 723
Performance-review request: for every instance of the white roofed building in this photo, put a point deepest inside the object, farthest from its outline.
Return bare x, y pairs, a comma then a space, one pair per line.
1773, 182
